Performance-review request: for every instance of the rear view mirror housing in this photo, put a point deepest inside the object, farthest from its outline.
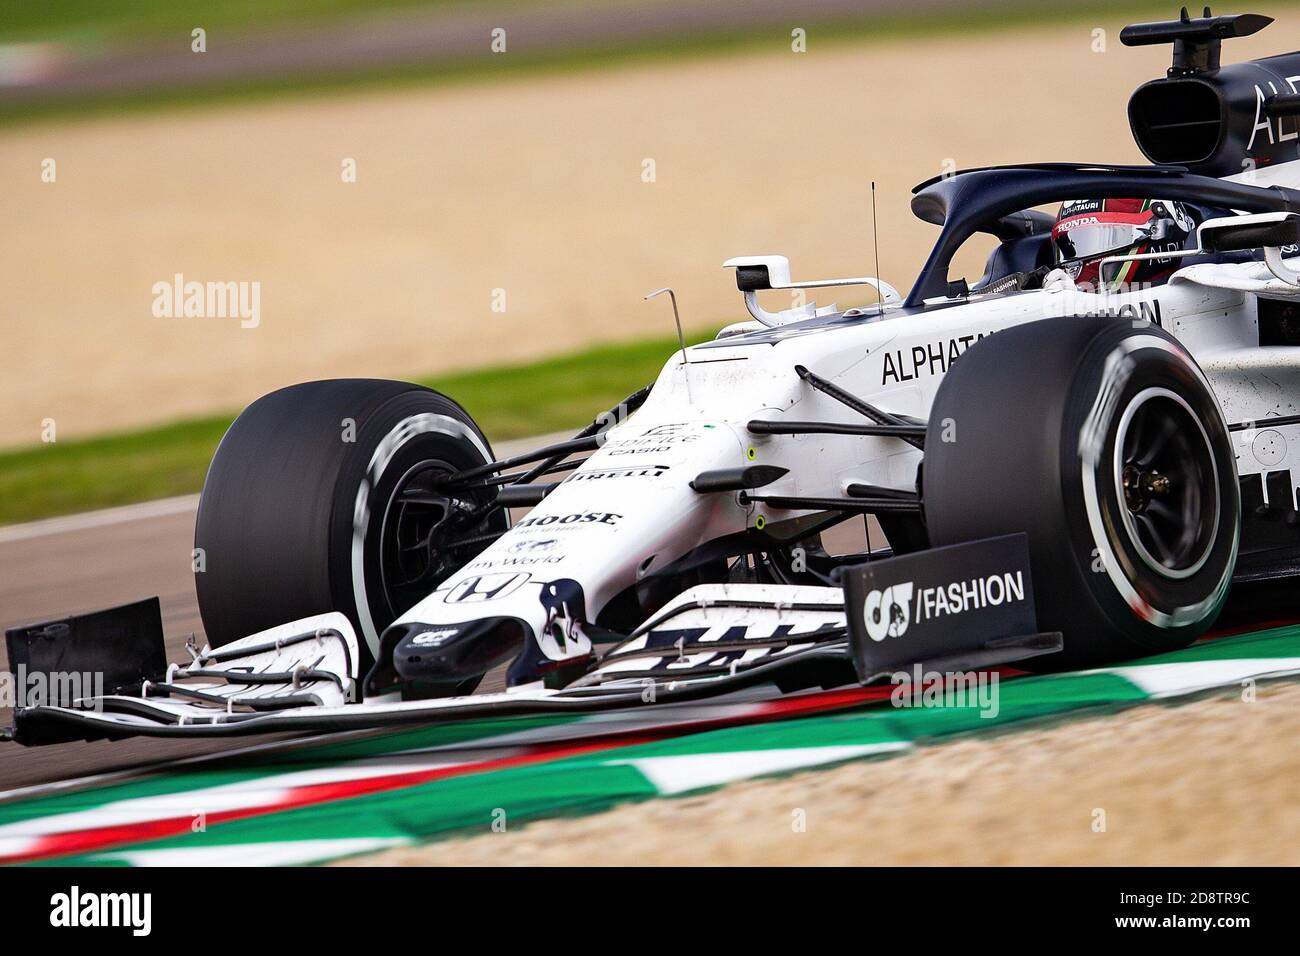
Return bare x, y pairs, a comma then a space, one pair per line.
1272, 230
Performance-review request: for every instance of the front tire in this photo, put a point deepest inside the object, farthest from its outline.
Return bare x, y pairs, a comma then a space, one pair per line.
1102, 440
323, 497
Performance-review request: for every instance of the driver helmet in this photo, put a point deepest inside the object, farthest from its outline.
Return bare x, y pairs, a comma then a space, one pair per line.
1090, 230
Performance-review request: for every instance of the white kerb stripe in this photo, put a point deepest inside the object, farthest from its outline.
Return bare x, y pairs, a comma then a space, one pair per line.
293, 853
1167, 680
685, 772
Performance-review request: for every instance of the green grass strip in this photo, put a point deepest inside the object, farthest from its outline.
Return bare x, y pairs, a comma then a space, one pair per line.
95, 21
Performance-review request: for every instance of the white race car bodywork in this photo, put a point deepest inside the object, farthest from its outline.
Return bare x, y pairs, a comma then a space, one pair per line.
629, 509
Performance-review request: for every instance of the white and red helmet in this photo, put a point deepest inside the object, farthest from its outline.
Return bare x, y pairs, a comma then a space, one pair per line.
1090, 230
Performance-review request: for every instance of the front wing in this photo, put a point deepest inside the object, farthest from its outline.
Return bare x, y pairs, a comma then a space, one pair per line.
714, 642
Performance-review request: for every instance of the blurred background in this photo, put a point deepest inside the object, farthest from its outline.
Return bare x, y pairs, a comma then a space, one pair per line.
477, 196
473, 195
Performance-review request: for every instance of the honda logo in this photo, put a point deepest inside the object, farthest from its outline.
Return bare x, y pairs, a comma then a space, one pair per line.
485, 587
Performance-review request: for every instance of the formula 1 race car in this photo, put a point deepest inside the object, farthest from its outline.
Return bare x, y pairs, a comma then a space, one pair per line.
1071, 460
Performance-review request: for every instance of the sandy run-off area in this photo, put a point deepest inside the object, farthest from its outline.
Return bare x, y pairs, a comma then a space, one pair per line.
1212, 782
535, 186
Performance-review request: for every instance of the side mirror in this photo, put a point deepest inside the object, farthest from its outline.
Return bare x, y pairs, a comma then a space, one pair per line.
756, 274
1273, 230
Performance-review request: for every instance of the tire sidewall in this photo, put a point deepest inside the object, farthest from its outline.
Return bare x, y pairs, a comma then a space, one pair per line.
303, 475
1159, 612
1017, 402
404, 434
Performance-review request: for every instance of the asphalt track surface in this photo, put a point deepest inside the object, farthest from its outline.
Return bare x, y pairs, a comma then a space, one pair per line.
62, 566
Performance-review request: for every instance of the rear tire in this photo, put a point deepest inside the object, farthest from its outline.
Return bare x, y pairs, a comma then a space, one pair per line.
308, 507
1103, 441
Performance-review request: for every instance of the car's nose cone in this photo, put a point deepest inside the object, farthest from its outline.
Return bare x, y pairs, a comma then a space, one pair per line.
451, 653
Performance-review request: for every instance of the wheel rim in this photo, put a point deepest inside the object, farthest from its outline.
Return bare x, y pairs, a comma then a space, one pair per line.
427, 534
1165, 475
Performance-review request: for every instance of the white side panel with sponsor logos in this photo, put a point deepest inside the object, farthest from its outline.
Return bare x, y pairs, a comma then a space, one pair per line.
629, 510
